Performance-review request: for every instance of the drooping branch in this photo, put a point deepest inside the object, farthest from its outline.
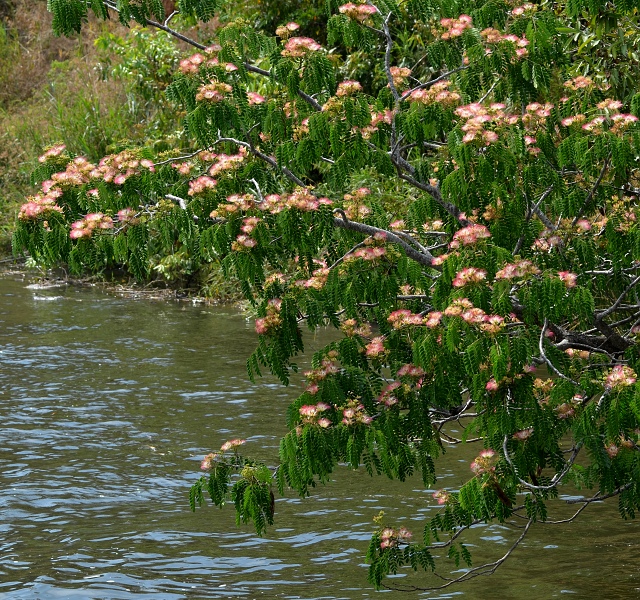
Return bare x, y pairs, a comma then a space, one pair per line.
485, 569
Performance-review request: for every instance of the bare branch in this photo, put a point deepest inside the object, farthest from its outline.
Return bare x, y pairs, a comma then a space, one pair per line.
486, 569
556, 480
546, 359
424, 258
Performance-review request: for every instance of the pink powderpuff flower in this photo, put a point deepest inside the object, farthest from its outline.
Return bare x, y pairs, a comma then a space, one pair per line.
620, 376
612, 450
375, 347
569, 279
348, 88
523, 435
208, 461
468, 276
297, 47
261, 326
232, 444
492, 385
255, 98
441, 496
433, 319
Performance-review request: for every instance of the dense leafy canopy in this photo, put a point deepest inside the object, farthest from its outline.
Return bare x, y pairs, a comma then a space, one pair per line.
465, 214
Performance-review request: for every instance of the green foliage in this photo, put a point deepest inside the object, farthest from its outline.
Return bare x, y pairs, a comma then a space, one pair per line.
469, 227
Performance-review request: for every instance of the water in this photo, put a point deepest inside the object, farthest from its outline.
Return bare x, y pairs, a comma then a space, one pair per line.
107, 406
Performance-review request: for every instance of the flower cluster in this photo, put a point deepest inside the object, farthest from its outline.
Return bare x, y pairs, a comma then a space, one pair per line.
399, 75
547, 241
485, 462
390, 538
348, 88
354, 414
620, 376
191, 65
535, 116
298, 47
351, 328
235, 203
243, 242
328, 366
569, 279
40, 205
385, 116
127, 216
463, 308
209, 461
354, 205
232, 445
579, 83
387, 395
310, 414
493, 36
477, 116
454, 28
53, 152
457, 307
518, 11
367, 253
301, 200
201, 185
375, 347
437, 93
404, 318
468, 276
410, 370
492, 385
358, 12
216, 91
522, 268
317, 280
85, 227
249, 224
184, 168
285, 31
441, 496
226, 162
272, 318
467, 236
541, 390
523, 435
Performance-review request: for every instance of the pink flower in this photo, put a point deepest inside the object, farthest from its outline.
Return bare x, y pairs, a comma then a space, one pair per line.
485, 462
620, 376
523, 435
612, 450
492, 385
441, 496
232, 444
569, 279
468, 276
297, 47
375, 347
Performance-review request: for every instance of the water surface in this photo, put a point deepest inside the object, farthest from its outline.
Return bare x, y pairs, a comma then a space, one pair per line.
107, 405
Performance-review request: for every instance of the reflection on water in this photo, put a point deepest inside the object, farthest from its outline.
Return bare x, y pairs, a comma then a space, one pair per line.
107, 406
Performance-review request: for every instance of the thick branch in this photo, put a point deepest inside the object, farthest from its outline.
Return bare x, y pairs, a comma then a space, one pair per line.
424, 258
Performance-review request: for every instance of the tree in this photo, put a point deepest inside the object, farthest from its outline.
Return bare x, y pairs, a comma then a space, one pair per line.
466, 218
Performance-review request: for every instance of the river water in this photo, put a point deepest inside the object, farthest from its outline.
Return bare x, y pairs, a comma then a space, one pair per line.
107, 406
